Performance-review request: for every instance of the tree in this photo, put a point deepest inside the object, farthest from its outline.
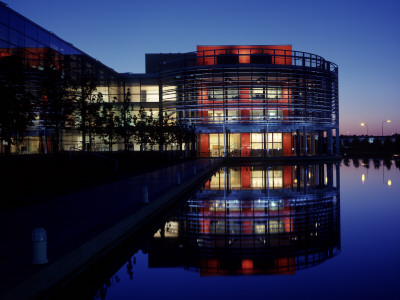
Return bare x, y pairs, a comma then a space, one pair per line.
17, 104
57, 106
184, 133
143, 124
125, 124
107, 124
16, 114
161, 131
87, 110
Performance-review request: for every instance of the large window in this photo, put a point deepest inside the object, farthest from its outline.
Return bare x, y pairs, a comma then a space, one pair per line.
216, 144
234, 144
257, 144
257, 181
149, 93
257, 141
274, 179
274, 141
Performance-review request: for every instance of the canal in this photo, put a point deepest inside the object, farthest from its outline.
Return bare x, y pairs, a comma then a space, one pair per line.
321, 231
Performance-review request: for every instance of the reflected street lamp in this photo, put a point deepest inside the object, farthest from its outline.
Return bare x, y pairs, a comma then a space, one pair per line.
387, 121
366, 125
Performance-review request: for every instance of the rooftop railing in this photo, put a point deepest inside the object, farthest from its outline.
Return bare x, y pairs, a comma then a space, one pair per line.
250, 56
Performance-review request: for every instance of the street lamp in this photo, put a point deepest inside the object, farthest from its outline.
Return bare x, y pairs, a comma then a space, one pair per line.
365, 124
387, 121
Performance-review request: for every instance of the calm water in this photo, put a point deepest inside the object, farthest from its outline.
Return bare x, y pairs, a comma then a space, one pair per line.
278, 232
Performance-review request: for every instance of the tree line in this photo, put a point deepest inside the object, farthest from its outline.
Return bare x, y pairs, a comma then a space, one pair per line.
59, 104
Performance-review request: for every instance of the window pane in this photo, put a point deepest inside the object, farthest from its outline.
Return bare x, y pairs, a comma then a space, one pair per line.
277, 137
55, 43
17, 23
31, 30
3, 15
43, 37
4, 32
256, 137
17, 38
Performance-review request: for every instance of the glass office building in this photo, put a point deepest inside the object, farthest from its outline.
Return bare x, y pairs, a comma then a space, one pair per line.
34, 50
243, 101
254, 100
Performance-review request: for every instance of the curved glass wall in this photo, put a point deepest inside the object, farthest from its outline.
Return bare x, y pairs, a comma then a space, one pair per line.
265, 95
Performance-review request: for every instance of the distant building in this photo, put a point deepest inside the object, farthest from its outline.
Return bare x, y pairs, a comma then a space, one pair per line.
243, 100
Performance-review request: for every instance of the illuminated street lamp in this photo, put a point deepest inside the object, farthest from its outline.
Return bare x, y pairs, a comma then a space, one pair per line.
366, 125
387, 121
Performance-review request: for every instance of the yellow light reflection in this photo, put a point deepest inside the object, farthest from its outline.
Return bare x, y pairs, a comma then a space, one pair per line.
363, 178
389, 182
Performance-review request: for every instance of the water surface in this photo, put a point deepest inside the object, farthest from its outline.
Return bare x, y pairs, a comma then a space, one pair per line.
298, 231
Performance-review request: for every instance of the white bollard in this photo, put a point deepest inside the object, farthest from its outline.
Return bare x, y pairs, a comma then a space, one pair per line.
39, 246
178, 178
194, 170
145, 194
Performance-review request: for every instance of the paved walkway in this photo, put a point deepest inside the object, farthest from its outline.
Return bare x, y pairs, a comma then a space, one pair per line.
72, 219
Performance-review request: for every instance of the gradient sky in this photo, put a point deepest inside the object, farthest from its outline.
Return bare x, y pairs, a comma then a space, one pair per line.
361, 36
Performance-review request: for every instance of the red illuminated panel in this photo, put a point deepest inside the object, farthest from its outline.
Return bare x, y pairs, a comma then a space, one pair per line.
281, 54
245, 98
287, 173
285, 265
203, 100
210, 267
245, 144
286, 102
204, 144
287, 145
246, 177
247, 266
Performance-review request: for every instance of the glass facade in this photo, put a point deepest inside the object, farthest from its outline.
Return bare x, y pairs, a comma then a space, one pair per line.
277, 101
37, 50
243, 101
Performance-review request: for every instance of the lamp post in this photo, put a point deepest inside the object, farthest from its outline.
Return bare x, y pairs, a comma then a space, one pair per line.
366, 125
387, 121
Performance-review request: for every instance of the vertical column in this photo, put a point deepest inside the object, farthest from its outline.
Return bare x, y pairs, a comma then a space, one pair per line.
329, 174
312, 143
298, 142
329, 141
337, 176
306, 172
160, 110
320, 142
337, 151
265, 136
305, 141
298, 177
321, 175
267, 141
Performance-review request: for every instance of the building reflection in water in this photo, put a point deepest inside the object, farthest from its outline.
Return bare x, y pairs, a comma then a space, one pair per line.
255, 220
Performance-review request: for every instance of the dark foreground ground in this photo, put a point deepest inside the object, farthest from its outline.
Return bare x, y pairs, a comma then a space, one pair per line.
27, 179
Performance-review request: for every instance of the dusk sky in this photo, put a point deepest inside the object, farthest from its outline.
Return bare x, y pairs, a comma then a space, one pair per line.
362, 37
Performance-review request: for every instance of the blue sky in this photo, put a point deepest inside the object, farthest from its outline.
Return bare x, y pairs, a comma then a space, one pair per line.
362, 37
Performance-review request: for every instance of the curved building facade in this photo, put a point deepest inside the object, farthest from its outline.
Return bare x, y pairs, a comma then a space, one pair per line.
254, 100
255, 219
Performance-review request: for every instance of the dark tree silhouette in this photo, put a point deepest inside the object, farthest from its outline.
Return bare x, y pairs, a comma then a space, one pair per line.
56, 105
87, 111
17, 104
